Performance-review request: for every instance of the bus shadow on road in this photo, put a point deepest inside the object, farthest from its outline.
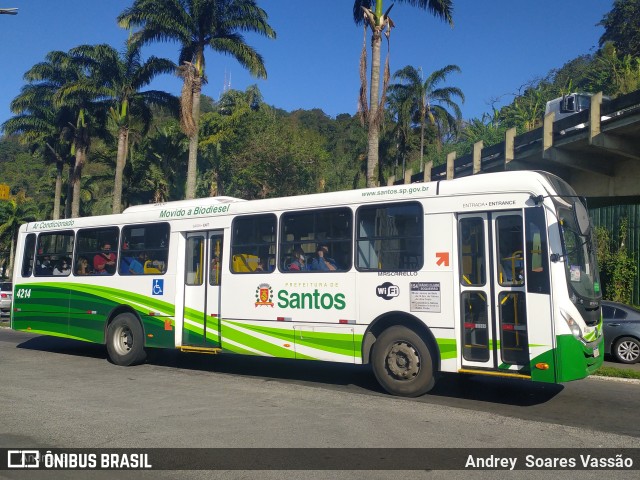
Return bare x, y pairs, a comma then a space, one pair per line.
450, 388
360, 379
64, 346
307, 372
505, 391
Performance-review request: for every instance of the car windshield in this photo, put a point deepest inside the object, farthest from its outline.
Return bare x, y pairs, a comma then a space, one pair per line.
6, 286
579, 258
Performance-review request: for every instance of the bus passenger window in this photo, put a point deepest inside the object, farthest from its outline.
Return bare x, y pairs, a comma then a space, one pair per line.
316, 241
144, 249
27, 255
53, 250
390, 238
99, 247
253, 243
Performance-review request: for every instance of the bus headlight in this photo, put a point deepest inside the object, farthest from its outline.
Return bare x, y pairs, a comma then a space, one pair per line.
573, 325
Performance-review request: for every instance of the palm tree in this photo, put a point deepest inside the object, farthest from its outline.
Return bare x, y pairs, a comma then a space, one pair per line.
68, 79
431, 102
42, 126
13, 213
377, 19
117, 80
401, 109
197, 24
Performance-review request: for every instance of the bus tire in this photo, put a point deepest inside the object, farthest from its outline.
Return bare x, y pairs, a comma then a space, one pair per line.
125, 340
402, 362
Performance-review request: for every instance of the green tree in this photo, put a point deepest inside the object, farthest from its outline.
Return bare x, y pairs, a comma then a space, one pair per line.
612, 73
617, 268
222, 129
156, 172
487, 130
118, 80
372, 15
621, 27
13, 213
431, 101
400, 104
44, 127
196, 25
66, 76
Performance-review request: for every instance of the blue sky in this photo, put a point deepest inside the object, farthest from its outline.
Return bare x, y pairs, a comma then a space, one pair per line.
500, 45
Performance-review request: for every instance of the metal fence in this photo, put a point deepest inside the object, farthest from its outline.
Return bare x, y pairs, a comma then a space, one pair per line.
610, 218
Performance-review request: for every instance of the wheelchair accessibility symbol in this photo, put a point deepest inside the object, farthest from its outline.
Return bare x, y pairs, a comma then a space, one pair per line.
158, 287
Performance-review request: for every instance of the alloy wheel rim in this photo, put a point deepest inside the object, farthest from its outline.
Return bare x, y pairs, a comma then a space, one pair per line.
629, 351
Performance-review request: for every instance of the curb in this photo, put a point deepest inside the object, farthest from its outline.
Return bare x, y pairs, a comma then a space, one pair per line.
614, 379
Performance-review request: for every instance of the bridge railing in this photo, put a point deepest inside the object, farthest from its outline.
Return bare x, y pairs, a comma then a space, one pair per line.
497, 157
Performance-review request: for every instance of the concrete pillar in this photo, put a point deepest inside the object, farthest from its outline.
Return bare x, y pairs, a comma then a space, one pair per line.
427, 172
407, 176
477, 156
547, 134
451, 157
594, 116
509, 146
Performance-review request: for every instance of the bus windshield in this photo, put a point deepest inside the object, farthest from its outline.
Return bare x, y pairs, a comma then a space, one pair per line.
579, 258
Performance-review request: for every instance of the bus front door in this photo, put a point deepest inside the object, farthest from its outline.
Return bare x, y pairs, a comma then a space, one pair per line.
493, 314
203, 257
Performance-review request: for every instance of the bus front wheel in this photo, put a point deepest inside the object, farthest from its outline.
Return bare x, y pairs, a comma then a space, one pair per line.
402, 362
125, 340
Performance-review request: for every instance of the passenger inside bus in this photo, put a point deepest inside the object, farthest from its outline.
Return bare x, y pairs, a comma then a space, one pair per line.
132, 265
104, 263
83, 266
43, 266
62, 269
322, 261
298, 262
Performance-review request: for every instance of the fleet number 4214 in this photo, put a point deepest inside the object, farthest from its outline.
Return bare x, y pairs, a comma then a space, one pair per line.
23, 293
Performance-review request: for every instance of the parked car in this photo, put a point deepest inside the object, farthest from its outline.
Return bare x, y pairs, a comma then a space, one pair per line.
6, 292
621, 325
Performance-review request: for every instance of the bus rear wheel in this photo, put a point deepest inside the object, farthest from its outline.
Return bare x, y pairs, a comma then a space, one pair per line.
125, 340
402, 362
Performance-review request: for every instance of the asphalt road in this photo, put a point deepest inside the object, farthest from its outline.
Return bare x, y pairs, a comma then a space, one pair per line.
58, 393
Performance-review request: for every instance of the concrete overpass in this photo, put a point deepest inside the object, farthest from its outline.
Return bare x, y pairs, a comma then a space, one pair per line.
598, 157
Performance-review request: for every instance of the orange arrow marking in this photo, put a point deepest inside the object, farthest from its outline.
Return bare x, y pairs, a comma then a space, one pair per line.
443, 258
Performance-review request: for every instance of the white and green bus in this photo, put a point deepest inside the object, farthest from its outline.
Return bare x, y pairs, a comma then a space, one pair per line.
492, 274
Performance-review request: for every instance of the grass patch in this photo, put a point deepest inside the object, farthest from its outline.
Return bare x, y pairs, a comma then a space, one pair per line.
617, 372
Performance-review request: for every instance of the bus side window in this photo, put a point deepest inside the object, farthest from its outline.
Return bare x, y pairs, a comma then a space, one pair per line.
27, 255
316, 241
53, 249
390, 237
99, 246
253, 243
144, 249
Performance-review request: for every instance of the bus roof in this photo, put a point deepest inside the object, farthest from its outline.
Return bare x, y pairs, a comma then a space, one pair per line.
481, 184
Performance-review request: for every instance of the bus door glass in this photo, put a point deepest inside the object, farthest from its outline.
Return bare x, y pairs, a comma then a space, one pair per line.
203, 277
492, 291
